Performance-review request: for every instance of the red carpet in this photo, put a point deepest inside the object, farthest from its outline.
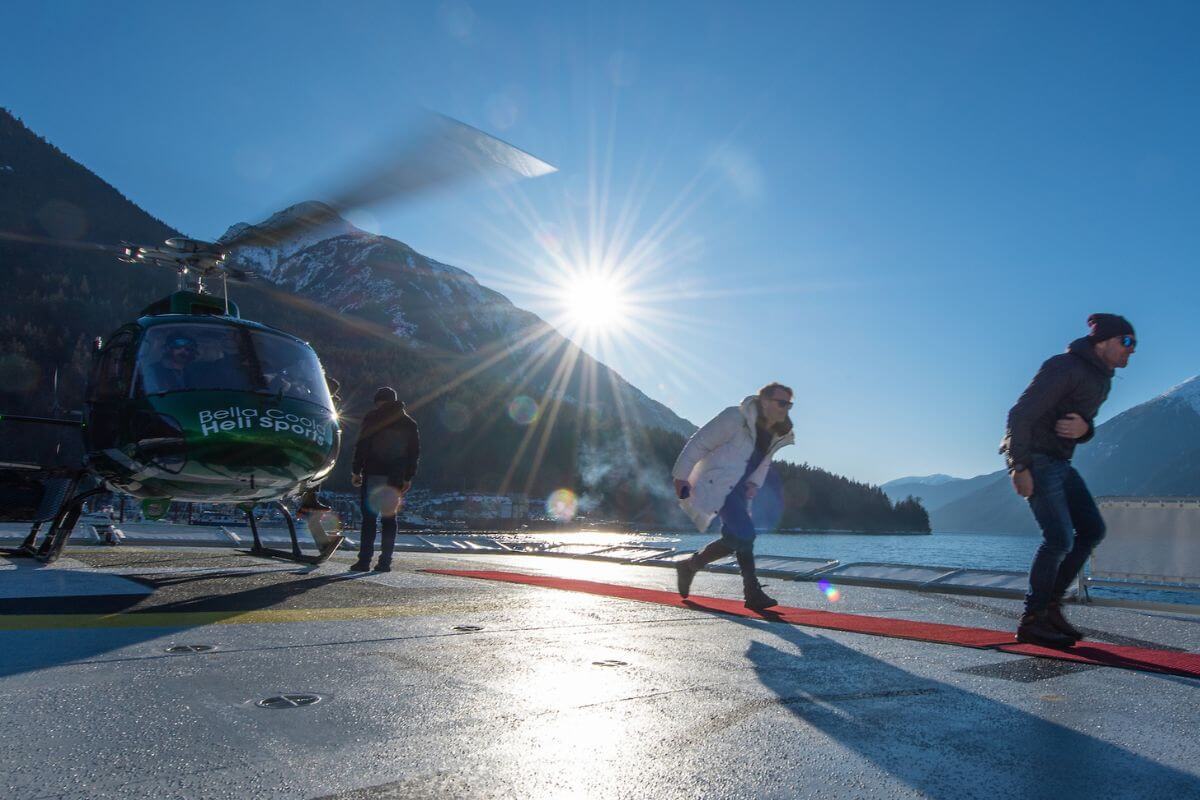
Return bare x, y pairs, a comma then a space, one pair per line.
1109, 655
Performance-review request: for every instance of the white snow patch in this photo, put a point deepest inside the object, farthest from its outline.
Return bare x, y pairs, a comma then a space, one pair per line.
1187, 392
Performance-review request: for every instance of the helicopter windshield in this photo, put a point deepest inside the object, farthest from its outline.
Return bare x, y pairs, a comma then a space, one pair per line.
205, 357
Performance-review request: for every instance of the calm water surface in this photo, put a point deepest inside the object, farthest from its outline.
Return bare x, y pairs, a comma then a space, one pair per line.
979, 550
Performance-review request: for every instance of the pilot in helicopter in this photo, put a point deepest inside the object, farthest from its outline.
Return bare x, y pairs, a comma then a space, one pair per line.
175, 369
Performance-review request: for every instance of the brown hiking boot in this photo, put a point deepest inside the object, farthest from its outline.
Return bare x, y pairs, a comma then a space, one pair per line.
1034, 628
1054, 616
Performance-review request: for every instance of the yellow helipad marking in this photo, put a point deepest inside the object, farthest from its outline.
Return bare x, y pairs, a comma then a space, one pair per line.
191, 619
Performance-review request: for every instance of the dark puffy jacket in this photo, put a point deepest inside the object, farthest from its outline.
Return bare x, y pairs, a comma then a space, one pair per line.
1075, 382
388, 443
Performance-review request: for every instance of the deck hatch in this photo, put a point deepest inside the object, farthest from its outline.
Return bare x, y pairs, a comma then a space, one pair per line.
191, 648
296, 700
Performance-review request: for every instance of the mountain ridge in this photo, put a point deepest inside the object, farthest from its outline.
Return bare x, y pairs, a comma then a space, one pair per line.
436, 306
1149, 450
498, 415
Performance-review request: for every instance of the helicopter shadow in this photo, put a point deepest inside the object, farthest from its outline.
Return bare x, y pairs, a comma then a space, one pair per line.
939, 739
73, 629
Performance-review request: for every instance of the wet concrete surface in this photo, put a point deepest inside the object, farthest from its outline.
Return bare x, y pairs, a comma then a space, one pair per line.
559, 694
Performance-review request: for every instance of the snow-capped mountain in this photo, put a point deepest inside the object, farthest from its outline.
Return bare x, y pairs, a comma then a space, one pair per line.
433, 306
1150, 450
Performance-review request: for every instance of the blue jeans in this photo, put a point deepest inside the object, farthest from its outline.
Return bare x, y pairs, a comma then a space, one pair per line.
371, 499
737, 528
1071, 528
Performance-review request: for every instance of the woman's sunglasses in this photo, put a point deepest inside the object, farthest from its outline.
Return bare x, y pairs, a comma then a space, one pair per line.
1128, 342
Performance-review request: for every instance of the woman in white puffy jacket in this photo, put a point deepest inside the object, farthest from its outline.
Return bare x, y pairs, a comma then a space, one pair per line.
718, 473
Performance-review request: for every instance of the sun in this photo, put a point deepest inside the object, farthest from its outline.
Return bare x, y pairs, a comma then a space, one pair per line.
594, 303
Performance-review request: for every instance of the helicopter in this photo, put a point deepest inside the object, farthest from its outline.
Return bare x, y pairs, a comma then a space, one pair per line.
192, 402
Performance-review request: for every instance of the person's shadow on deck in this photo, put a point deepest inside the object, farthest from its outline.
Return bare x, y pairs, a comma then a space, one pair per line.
942, 740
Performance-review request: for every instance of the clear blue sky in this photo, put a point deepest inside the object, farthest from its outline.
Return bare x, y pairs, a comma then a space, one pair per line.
898, 208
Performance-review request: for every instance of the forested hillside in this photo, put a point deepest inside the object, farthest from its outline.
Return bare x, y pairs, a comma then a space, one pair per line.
486, 424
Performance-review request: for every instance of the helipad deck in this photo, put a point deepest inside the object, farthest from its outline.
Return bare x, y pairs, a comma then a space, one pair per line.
195, 673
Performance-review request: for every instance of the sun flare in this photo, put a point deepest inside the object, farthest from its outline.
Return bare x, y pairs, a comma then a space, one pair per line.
595, 303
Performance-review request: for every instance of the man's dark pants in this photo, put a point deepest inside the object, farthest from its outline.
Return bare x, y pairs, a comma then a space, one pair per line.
377, 491
737, 535
1071, 528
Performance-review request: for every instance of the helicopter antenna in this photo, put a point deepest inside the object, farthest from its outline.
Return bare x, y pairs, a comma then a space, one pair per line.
55, 408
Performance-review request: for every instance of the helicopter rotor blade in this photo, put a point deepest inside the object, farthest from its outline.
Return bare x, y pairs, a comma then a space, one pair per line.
445, 153
73, 244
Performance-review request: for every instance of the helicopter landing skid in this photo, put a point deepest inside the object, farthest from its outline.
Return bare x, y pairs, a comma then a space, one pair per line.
295, 554
60, 528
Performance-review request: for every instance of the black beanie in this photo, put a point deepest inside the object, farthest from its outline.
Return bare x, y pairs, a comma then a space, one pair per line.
1106, 326
385, 394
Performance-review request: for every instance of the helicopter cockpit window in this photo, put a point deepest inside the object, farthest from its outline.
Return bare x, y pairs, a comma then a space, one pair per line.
197, 357
291, 368
185, 357
112, 369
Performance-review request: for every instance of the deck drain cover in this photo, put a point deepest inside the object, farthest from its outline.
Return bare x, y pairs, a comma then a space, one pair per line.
612, 662
289, 701
467, 628
191, 648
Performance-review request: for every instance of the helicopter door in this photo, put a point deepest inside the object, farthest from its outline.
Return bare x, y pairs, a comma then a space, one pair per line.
108, 388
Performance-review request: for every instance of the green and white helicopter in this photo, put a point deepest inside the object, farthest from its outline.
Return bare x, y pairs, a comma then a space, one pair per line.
192, 402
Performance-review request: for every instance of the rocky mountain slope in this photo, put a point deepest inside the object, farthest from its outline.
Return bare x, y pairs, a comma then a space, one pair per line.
439, 309
1150, 450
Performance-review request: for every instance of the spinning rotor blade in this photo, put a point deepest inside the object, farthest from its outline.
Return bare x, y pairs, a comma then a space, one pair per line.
71, 243
446, 153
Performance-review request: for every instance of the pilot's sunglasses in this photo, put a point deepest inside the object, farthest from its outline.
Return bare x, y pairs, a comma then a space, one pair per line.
181, 344
1128, 342
783, 403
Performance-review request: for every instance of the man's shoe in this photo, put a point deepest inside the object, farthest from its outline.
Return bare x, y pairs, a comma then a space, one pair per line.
757, 599
360, 566
1054, 616
1035, 628
684, 572
383, 566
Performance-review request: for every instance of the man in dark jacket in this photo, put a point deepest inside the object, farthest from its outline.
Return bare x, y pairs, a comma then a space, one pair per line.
385, 462
1056, 412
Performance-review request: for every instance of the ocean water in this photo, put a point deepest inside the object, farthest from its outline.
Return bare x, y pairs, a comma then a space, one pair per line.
977, 550
970, 550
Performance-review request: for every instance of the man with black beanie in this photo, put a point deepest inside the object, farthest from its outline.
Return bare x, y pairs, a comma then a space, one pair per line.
385, 462
1055, 413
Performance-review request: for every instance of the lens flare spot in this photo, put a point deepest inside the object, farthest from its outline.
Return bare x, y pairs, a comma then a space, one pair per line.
550, 239
523, 410
561, 505
383, 500
831, 592
455, 417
